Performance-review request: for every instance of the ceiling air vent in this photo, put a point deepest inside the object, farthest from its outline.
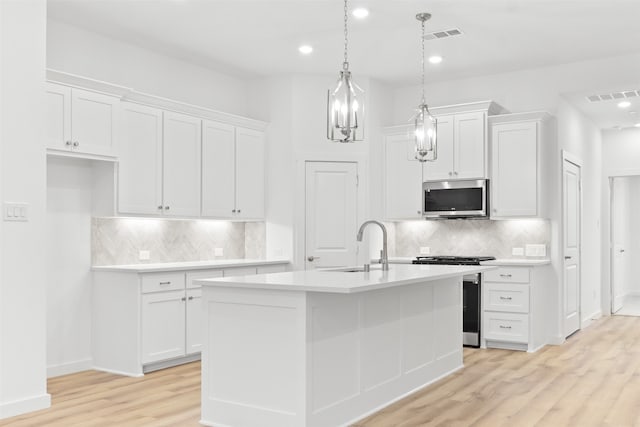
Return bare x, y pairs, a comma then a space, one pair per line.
614, 95
443, 34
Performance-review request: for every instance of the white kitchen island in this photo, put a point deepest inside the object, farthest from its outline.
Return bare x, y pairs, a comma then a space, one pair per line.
326, 348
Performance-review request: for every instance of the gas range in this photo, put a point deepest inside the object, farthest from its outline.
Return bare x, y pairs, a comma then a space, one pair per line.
452, 260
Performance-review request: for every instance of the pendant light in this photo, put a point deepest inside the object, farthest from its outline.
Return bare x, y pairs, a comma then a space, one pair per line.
425, 125
345, 109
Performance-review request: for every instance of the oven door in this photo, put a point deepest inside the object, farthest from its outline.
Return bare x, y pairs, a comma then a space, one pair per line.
471, 313
456, 199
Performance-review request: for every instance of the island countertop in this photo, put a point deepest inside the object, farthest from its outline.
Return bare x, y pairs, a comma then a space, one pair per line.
336, 281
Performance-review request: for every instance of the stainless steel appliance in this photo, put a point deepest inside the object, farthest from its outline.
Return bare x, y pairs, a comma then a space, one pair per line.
456, 199
471, 294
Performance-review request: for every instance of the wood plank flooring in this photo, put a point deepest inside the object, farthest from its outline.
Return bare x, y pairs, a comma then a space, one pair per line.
592, 380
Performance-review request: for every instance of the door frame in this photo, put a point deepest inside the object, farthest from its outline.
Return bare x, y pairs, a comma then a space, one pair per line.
571, 158
607, 282
362, 164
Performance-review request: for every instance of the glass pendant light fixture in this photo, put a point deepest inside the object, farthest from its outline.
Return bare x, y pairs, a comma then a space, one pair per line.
425, 129
345, 108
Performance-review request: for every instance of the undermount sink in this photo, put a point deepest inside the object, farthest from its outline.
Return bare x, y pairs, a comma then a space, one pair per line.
354, 269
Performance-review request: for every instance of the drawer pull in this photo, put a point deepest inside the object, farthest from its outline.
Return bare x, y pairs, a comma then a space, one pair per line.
505, 327
190, 298
506, 298
505, 275
183, 299
165, 283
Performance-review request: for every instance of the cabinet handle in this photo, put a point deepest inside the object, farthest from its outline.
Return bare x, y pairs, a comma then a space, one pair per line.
506, 298
233, 211
160, 207
190, 298
505, 327
165, 283
166, 208
76, 143
505, 275
183, 299
419, 212
238, 210
68, 143
455, 173
450, 173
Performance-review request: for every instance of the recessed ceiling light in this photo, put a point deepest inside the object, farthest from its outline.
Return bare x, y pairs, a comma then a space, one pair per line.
624, 104
305, 49
435, 59
360, 13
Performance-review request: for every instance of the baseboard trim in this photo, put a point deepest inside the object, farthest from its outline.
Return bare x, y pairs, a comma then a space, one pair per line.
69, 368
155, 366
23, 406
557, 340
116, 372
586, 322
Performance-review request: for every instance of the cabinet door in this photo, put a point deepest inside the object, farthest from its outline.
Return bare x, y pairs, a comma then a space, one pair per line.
181, 161
442, 167
163, 326
403, 179
218, 170
58, 125
94, 120
469, 145
514, 169
249, 174
140, 160
195, 317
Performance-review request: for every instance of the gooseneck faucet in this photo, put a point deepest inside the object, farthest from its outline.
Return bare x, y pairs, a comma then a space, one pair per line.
384, 258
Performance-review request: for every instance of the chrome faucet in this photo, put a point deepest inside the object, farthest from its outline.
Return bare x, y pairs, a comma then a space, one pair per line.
384, 258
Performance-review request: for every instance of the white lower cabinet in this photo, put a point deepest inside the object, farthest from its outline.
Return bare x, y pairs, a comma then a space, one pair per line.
147, 321
515, 301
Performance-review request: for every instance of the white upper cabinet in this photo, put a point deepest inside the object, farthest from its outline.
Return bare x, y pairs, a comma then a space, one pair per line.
140, 160
181, 164
232, 172
218, 170
249, 173
81, 121
516, 152
461, 147
402, 178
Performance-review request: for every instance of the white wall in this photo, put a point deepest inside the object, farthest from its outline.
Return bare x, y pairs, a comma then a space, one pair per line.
69, 209
22, 179
77, 51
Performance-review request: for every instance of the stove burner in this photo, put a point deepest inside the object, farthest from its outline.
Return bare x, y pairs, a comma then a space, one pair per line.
452, 260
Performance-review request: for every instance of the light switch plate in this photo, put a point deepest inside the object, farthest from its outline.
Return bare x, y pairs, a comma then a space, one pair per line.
144, 255
12, 211
218, 252
425, 250
536, 250
517, 251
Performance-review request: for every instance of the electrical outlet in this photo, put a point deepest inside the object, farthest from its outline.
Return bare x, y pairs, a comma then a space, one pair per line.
517, 251
144, 255
536, 250
218, 252
425, 250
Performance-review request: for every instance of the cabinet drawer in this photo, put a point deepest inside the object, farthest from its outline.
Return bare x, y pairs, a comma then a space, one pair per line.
162, 282
509, 297
203, 274
509, 327
508, 274
242, 271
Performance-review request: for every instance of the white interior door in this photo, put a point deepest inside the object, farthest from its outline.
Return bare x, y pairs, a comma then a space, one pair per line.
621, 230
572, 235
331, 214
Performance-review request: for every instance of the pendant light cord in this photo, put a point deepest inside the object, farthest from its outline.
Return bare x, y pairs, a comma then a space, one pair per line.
423, 62
345, 64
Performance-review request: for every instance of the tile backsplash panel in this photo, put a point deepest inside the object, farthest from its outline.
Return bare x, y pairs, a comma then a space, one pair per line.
469, 237
120, 240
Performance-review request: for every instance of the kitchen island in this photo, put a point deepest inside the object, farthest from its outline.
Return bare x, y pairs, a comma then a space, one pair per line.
326, 348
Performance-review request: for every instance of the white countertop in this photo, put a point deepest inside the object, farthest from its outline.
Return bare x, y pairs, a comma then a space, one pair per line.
518, 262
344, 282
188, 265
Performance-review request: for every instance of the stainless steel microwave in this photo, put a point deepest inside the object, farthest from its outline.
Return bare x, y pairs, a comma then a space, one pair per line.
456, 199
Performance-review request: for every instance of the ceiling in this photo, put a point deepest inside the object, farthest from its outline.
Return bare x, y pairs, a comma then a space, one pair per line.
261, 37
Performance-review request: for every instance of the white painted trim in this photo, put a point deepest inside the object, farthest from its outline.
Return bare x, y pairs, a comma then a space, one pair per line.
586, 322
623, 172
556, 340
569, 157
633, 294
532, 116
23, 406
384, 405
76, 155
114, 371
69, 368
301, 158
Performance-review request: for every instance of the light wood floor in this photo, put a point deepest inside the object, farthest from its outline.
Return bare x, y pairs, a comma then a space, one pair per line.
592, 380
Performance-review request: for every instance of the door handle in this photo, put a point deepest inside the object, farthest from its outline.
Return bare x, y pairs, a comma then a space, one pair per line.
621, 250
311, 258
567, 257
